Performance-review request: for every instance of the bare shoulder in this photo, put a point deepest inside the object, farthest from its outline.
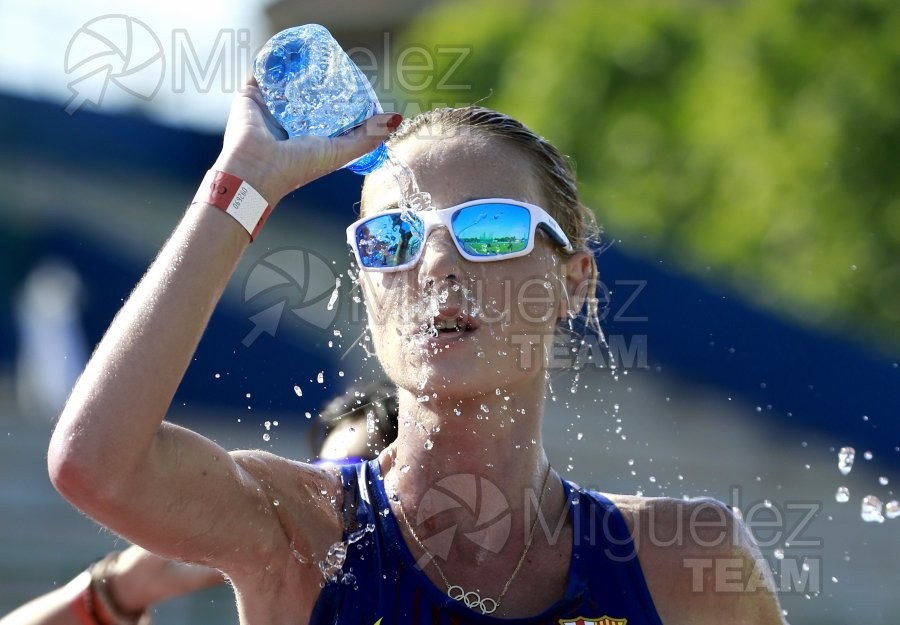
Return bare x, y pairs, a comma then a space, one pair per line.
306, 501
701, 563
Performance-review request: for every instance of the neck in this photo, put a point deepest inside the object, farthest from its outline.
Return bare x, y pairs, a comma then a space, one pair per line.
493, 436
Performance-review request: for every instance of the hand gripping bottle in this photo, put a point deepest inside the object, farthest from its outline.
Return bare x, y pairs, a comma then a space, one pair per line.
312, 87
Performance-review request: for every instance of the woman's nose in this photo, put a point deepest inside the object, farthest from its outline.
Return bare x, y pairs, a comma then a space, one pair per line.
440, 258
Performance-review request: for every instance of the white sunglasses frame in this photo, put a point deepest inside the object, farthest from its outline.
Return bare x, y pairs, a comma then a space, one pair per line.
442, 217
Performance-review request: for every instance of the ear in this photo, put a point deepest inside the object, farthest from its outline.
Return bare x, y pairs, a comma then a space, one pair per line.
576, 278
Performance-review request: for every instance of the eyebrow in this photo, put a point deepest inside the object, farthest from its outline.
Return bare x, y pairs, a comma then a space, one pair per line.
396, 204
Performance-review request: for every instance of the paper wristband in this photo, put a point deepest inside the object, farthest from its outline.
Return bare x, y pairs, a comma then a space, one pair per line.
235, 197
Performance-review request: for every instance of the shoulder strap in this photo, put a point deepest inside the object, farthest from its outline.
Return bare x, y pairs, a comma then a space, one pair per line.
352, 480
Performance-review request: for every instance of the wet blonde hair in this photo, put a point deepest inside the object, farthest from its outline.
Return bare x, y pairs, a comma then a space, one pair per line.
553, 170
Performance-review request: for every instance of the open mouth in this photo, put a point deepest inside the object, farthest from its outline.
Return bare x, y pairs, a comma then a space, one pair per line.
454, 325
449, 322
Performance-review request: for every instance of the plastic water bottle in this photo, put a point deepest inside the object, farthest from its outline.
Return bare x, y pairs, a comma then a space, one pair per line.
312, 87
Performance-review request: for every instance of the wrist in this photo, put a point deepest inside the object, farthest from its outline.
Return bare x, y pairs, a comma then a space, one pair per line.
252, 173
127, 584
114, 596
236, 197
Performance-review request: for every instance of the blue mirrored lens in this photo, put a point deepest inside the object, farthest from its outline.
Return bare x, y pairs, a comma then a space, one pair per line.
388, 240
492, 229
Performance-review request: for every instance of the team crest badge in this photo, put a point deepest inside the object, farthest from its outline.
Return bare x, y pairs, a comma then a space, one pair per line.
583, 620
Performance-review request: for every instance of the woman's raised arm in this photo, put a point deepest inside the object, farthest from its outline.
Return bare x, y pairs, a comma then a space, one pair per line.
112, 455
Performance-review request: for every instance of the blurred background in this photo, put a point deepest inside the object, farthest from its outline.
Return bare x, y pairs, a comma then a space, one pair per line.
740, 156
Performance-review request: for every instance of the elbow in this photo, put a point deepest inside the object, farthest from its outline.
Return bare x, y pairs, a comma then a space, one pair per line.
73, 469
67, 471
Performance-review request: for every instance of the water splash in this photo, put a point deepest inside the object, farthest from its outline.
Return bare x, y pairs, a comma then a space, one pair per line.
359, 534
411, 196
842, 495
331, 567
334, 561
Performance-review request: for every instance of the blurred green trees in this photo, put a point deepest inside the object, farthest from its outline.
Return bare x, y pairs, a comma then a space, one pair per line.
752, 142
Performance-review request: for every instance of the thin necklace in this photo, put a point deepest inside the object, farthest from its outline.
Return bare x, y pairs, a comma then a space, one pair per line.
473, 599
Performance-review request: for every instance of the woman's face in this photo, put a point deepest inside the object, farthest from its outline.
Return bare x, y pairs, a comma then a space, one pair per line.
510, 306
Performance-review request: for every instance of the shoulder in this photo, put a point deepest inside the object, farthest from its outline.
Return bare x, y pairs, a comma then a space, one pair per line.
701, 563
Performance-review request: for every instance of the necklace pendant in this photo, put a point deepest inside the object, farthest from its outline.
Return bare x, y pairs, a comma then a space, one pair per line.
472, 599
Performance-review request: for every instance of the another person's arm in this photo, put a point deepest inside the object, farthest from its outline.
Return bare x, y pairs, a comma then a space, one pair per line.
128, 583
164, 487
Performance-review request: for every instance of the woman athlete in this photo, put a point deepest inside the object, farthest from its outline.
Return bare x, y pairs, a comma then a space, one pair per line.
462, 519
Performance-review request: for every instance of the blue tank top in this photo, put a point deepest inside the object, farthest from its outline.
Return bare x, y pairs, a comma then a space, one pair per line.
381, 580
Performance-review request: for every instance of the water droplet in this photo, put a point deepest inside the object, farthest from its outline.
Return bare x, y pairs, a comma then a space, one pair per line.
779, 553
320, 378
871, 511
867, 455
842, 495
298, 391
422, 399
845, 459
334, 294
267, 436
217, 376
404, 468
892, 509
308, 415
275, 502
267, 425
580, 436
883, 480
247, 395
429, 444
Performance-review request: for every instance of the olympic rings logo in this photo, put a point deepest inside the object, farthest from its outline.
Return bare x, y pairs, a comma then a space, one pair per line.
472, 599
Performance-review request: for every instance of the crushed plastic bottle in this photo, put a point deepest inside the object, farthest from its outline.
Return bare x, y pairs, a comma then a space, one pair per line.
312, 87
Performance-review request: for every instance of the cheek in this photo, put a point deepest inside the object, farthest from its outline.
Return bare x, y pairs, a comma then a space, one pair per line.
528, 292
386, 297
